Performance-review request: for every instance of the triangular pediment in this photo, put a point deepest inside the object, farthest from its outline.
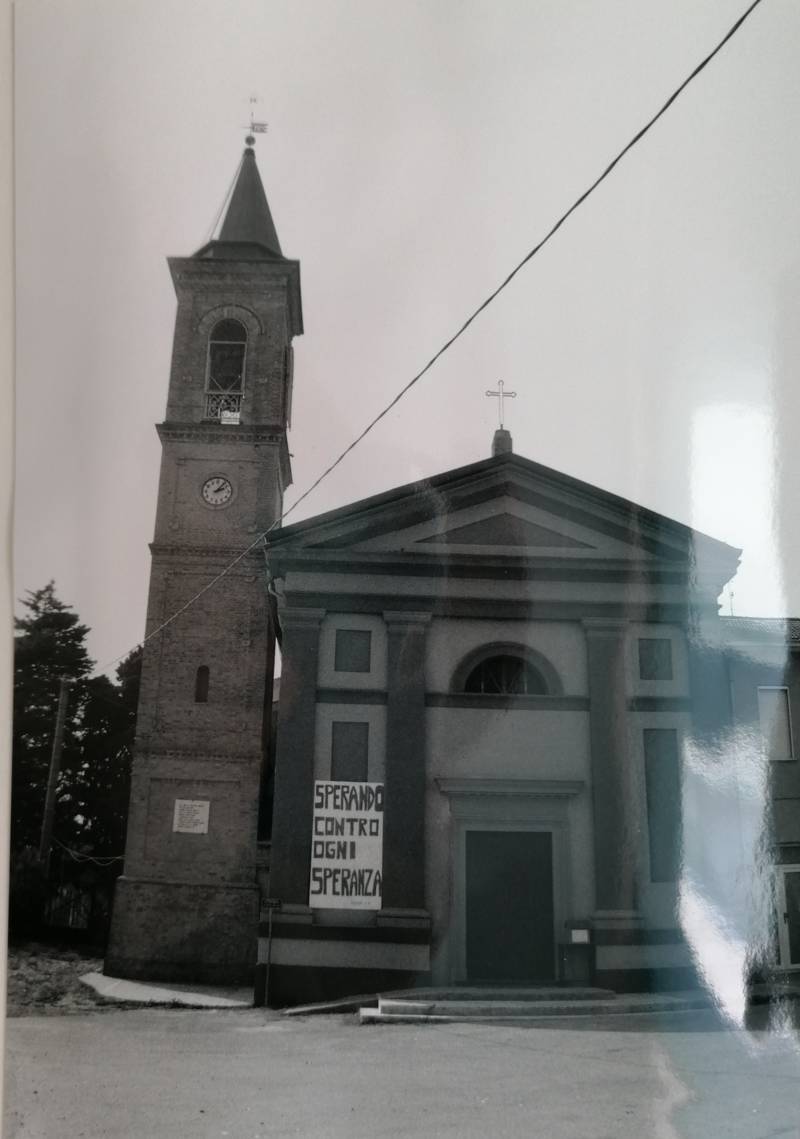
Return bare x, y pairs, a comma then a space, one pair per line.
502, 522
505, 507
506, 530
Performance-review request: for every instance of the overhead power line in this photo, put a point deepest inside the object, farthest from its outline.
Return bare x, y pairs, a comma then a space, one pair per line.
79, 856
462, 329
225, 201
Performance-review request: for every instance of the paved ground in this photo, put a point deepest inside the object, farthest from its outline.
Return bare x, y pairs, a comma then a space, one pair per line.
191, 996
250, 1073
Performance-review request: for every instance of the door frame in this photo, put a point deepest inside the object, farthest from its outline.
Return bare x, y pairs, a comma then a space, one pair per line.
784, 955
507, 805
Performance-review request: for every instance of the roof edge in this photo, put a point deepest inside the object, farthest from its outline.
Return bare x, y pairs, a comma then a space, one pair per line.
490, 466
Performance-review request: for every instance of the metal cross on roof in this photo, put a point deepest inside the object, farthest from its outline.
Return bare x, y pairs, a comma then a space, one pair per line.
500, 395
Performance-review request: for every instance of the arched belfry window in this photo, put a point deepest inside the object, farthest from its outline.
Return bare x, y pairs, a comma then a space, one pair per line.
227, 347
201, 685
505, 675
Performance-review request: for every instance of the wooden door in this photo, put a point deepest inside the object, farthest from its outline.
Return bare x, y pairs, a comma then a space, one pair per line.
509, 907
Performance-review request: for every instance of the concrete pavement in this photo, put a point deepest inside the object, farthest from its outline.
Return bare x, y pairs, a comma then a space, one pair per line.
254, 1074
147, 993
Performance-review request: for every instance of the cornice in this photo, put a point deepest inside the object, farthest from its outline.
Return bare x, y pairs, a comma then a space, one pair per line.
508, 567
184, 269
213, 275
224, 553
152, 755
518, 788
222, 433
500, 609
760, 631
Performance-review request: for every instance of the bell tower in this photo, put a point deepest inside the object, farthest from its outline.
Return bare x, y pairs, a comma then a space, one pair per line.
186, 905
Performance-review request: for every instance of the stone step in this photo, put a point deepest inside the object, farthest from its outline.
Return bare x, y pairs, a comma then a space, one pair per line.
394, 1011
451, 992
501, 993
456, 1010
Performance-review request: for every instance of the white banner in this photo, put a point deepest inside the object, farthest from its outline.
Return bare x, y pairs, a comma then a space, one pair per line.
347, 846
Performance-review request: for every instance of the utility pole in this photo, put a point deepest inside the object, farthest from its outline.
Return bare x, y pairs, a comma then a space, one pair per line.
52, 779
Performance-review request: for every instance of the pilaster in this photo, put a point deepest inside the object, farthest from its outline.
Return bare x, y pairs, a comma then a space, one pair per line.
404, 821
709, 682
294, 764
614, 813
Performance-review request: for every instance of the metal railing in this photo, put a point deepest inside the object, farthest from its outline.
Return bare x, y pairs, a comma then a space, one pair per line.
223, 406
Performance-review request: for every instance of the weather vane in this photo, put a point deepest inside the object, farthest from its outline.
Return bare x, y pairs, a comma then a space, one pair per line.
255, 127
500, 395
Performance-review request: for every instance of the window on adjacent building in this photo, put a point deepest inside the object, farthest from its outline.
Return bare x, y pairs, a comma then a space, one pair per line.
226, 349
349, 751
655, 658
506, 676
663, 789
353, 649
201, 685
776, 728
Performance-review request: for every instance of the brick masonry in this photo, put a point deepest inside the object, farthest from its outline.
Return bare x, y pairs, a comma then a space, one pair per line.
187, 903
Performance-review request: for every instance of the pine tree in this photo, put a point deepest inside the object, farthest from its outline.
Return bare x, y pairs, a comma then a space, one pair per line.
94, 780
94, 796
49, 644
93, 786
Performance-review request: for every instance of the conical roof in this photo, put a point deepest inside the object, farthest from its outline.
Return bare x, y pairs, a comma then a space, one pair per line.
248, 230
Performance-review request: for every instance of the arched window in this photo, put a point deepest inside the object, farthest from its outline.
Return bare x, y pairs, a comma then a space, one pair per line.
226, 349
201, 685
227, 346
505, 675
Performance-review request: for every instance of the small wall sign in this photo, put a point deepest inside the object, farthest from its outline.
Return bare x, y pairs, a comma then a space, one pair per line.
191, 816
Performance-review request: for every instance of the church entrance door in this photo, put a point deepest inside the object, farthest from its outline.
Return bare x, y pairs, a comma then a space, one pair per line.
509, 907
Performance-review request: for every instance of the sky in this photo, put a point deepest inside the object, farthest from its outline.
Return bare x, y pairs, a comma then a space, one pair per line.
415, 153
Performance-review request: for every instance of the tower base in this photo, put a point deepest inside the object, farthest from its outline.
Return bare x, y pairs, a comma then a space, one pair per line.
180, 931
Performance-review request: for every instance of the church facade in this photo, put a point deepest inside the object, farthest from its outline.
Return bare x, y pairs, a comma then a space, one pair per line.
510, 654
492, 684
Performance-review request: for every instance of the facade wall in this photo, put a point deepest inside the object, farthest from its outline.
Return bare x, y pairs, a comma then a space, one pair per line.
374, 716
605, 616
499, 745
328, 676
657, 900
178, 931
227, 632
255, 468
551, 592
523, 743
562, 643
662, 705
256, 294
187, 903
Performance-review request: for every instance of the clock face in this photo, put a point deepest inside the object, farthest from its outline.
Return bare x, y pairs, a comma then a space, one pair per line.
217, 491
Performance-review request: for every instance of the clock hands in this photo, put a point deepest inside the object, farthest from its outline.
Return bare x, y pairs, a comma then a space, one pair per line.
217, 490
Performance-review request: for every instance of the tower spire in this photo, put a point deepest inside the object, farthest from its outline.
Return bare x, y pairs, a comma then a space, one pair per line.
247, 229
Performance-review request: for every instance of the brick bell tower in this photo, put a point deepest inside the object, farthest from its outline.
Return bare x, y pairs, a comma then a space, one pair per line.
187, 903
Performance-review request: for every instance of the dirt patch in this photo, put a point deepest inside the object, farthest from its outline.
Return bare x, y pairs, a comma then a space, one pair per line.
44, 979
